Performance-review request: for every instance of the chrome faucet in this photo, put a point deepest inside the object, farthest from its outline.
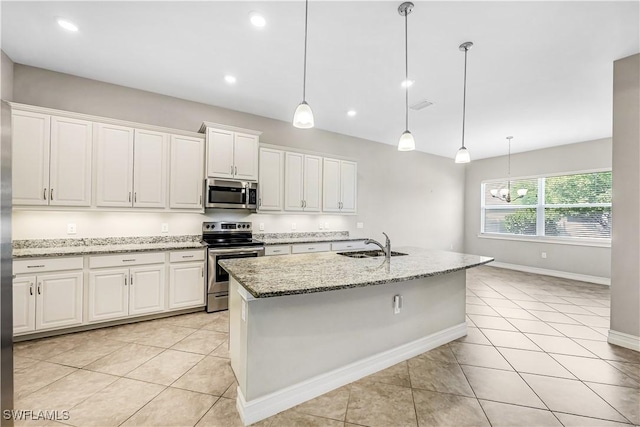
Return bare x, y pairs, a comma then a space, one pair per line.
386, 248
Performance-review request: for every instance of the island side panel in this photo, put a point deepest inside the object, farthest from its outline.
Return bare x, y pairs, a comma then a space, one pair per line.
293, 338
237, 333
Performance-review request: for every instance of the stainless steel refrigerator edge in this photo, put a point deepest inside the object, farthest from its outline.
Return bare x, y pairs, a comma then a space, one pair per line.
6, 267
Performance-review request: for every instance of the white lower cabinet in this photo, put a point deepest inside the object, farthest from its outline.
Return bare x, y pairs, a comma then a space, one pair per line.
186, 285
47, 301
121, 292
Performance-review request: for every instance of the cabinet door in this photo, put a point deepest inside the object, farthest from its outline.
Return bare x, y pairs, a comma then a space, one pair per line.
58, 300
114, 165
24, 304
312, 183
245, 157
293, 181
219, 153
150, 153
348, 186
271, 180
108, 294
186, 285
186, 174
70, 165
331, 185
146, 289
30, 145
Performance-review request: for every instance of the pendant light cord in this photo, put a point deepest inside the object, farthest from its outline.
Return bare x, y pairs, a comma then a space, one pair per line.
304, 74
509, 171
406, 65
464, 94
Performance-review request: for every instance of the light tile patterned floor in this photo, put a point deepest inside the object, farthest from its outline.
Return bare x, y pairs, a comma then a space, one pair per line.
535, 355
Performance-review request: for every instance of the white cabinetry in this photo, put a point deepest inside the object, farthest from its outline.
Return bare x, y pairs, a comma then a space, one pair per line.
231, 154
120, 292
51, 160
271, 182
151, 150
47, 301
339, 186
114, 165
186, 172
303, 182
186, 279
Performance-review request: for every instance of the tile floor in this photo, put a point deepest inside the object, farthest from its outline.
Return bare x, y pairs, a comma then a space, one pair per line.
535, 355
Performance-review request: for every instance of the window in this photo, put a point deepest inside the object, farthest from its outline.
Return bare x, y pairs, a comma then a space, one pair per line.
566, 206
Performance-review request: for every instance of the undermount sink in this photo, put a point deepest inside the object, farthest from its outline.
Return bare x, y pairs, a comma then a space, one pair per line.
368, 254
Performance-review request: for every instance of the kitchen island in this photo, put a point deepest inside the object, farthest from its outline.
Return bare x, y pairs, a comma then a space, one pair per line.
303, 325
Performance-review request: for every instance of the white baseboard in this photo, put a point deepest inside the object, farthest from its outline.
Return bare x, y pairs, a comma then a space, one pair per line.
554, 273
624, 340
266, 406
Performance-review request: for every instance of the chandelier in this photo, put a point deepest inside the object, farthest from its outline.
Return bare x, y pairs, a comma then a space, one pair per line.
504, 194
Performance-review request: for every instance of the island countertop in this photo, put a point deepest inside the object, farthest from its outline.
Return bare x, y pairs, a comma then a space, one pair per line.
265, 277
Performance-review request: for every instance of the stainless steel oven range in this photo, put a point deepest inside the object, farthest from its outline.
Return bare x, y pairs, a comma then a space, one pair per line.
225, 240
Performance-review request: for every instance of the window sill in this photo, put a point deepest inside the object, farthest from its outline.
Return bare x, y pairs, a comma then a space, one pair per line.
541, 239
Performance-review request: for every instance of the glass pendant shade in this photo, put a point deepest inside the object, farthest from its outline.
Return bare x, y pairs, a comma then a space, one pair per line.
462, 156
522, 192
504, 192
303, 117
406, 142
494, 192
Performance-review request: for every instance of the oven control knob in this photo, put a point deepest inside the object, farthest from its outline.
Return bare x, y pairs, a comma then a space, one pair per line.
213, 226
206, 226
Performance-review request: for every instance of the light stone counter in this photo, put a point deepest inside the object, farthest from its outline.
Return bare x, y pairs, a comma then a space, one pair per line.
98, 246
265, 277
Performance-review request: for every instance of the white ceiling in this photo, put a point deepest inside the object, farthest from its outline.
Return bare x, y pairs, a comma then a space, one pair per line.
540, 71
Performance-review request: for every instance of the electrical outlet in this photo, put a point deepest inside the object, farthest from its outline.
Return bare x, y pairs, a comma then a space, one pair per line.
326, 225
397, 304
320, 226
164, 228
71, 229
543, 255
293, 225
451, 247
261, 226
359, 224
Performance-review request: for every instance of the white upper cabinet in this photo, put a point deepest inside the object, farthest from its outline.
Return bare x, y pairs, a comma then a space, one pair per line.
303, 182
271, 182
31, 135
245, 157
219, 153
114, 165
51, 160
231, 153
340, 179
186, 172
70, 165
151, 151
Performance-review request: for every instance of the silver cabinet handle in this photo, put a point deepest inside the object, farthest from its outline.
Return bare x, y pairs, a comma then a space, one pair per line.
129, 260
260, 201
200, 200
125, 280
231, 169
135, 197
236, 170
51, 194
129, 195
187, 256
131, 280
201, 272
31, 288
277, 251
40, 288
301, 204
44, 194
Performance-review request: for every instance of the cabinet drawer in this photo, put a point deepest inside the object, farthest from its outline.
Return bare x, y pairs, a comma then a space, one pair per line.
277, 250
120, 260
179, 256
348, 246
46, 264
311, 247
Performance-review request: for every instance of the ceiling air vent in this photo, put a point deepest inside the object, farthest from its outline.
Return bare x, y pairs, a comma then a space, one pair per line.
420, 105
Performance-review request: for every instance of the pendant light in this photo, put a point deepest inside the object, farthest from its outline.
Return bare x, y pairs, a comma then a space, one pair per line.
406, 142
504, 194
303, 117
462, 156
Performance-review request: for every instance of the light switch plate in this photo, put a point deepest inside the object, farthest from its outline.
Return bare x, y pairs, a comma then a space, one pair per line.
293, 225
320, 226
71, 229
326, 225
164, 227
261, 226
359, 224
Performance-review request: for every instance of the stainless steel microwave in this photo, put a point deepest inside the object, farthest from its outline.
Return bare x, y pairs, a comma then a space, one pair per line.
229, 194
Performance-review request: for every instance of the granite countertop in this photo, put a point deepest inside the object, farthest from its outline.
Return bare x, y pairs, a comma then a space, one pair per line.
39, 248
265, 277
304, 237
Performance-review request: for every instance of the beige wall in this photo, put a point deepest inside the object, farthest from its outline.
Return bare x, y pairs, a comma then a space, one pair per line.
591, 261
625, 250
417, 198
6, 80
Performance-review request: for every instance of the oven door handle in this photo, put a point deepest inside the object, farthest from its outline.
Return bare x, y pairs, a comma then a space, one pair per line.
236, 250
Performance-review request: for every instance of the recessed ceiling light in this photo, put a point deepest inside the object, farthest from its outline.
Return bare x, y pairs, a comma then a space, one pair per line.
257, 19
69, 26
229, 79
351, 113
407, 83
